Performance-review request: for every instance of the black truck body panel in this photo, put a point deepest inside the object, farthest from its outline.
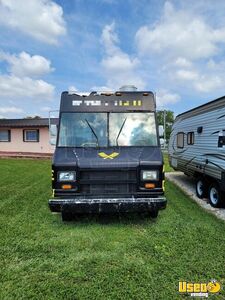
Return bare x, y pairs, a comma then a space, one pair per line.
107, 183
107, 103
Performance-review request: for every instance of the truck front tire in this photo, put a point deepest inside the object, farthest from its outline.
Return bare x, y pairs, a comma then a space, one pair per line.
66, 216
154, 213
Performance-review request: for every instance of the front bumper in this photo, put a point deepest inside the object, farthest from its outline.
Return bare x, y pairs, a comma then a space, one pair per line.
97, 205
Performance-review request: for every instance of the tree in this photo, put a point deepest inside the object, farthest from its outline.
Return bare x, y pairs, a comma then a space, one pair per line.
30, 117
169, 121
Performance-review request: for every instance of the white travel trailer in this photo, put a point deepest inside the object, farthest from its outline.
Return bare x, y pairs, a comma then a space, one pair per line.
197, 148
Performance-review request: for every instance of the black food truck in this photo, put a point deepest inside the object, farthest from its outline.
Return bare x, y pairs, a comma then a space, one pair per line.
107, 155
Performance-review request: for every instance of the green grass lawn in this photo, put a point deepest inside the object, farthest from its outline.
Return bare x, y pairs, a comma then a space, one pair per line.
168, 168
130, 257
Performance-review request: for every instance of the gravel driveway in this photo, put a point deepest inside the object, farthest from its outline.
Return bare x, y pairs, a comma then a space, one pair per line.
188, 186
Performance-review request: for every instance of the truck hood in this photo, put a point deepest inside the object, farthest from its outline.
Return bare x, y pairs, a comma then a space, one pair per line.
116, 157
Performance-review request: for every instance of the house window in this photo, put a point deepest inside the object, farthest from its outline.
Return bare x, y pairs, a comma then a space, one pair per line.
180, 140
31, 135
5, 135
190, 138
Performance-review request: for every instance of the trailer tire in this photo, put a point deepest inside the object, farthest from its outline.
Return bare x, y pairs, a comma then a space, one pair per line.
200, 188
215, 195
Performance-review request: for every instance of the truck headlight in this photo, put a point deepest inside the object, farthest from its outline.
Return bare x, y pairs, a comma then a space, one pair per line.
66, 176
149, 175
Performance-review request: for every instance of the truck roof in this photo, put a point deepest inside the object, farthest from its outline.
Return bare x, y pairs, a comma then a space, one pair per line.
107, 101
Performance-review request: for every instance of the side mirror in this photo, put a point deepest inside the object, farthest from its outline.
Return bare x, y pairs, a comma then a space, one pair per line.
162, 142
52, 134
53, 128
161, 131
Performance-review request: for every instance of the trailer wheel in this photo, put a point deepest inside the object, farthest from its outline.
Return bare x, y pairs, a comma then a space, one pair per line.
154, 213
200, 188
215, 195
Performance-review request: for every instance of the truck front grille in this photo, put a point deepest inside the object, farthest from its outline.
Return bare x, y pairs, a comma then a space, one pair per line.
108, 175
96, 189
106, 182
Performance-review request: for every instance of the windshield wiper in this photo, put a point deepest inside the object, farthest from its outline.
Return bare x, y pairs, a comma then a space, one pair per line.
120, 131
92, 131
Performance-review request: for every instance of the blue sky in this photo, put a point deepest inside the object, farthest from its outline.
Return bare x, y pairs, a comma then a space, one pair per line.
174, 48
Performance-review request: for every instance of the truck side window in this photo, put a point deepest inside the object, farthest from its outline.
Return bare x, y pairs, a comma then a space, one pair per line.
221, 139
180, 140
191, 138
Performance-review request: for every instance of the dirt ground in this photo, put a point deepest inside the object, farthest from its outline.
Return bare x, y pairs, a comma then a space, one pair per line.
188, 186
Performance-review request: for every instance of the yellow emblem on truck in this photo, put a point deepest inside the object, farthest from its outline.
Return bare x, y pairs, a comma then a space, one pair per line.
108, 156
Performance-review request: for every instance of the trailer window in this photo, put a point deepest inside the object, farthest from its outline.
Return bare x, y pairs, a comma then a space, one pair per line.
221, 139
180, 140
190, 138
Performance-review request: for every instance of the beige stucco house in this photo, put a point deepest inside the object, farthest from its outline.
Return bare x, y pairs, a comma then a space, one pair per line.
25, 136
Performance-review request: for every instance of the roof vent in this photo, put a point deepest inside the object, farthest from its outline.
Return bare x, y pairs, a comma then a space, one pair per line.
128, 88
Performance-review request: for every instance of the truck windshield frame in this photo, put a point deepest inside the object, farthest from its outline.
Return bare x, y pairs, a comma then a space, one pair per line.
107, 129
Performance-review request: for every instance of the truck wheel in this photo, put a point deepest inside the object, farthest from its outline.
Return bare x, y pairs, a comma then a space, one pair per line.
154, 213
67, 216
200, 188
215, 195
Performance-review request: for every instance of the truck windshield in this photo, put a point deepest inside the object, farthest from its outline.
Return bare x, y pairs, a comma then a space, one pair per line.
107, 129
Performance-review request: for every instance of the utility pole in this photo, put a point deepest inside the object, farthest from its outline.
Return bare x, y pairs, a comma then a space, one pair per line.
164, 122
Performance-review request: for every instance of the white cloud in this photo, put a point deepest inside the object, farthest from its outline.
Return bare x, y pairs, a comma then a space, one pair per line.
40, 19
10, 109
214, 66
119, 68
45, 108
21, 81
208, 83
164, 97
200, 80
110, 39
187, 75
102, 88
180, 33
17, 88
182, 62
24, 64
120, 62
187, 48
72, 88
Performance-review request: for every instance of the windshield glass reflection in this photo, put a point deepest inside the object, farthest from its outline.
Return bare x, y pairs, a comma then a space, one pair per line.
107, 129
